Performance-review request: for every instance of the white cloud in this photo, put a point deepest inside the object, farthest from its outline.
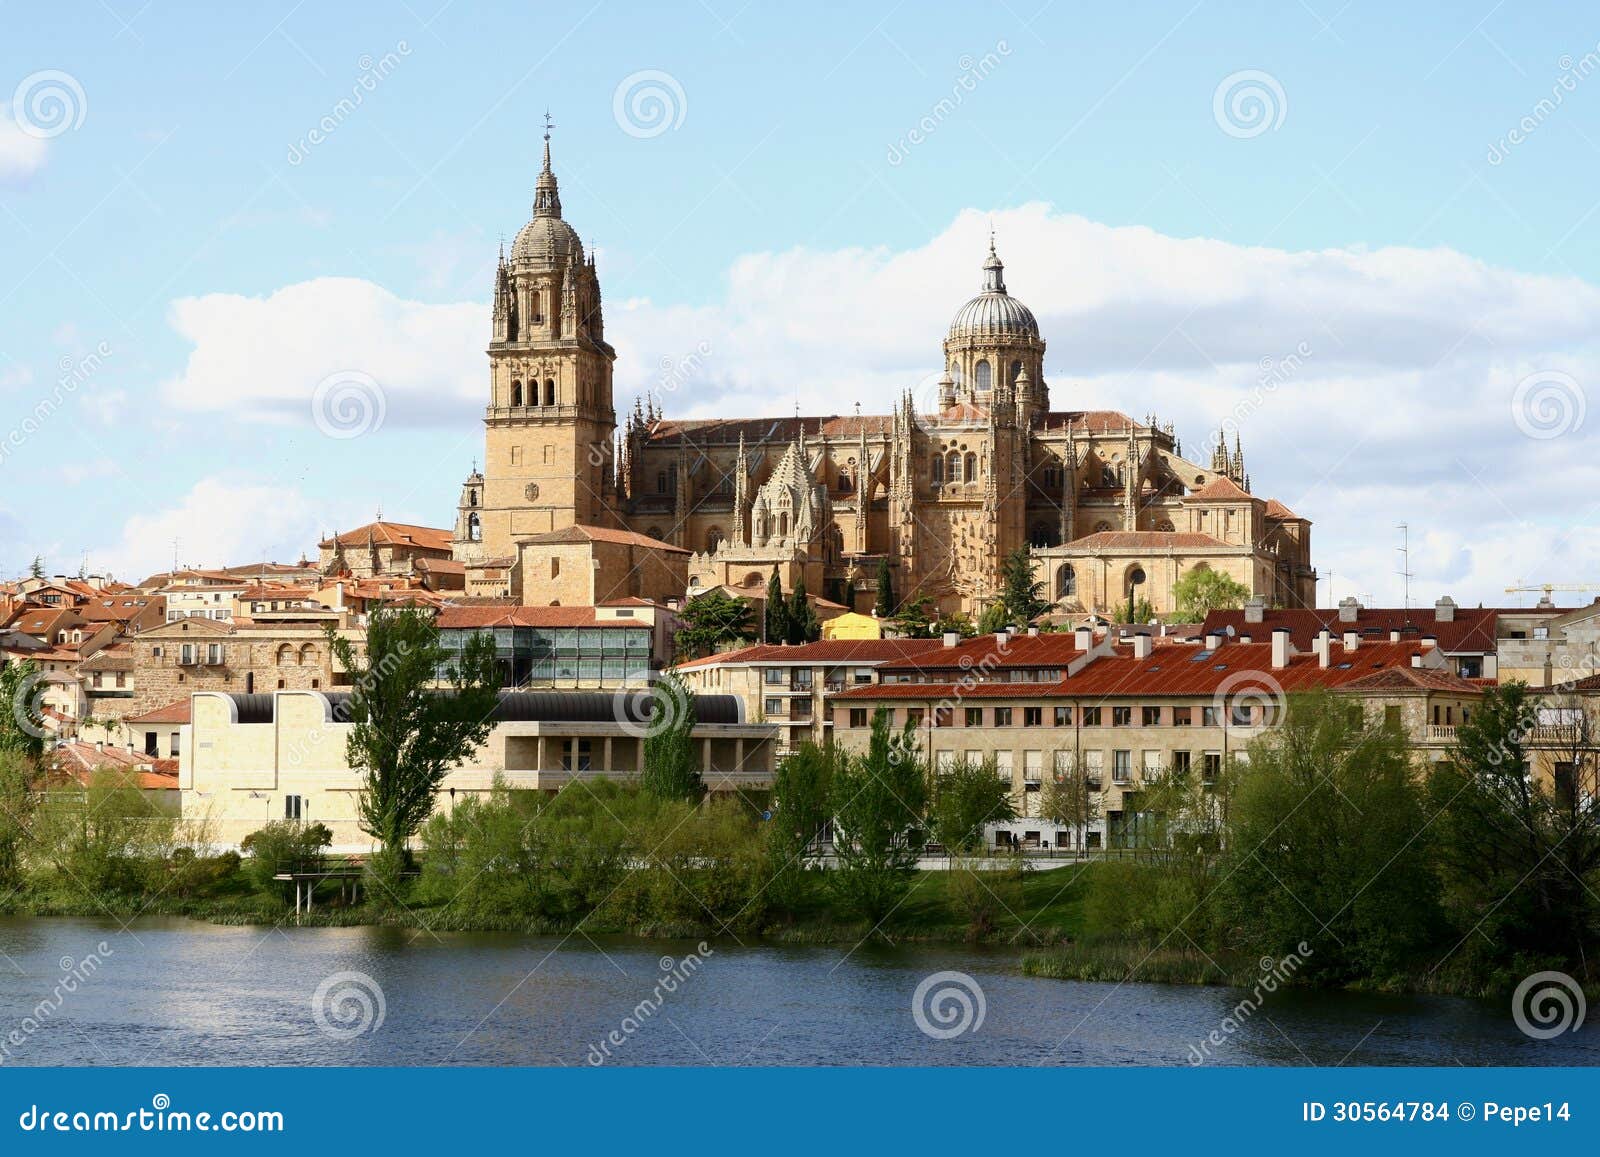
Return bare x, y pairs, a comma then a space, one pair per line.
1398, 406
216, 523
263, 357
21, 155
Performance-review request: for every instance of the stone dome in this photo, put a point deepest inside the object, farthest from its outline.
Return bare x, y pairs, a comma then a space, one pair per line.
548, 241
994, 312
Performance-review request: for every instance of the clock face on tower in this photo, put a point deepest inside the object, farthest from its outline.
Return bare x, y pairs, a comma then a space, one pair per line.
532, 492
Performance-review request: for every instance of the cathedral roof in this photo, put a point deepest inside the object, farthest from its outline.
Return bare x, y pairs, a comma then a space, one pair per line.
547, 240
755, 431
580, 532
393, 534
994, 312
1220, 490
1143, 540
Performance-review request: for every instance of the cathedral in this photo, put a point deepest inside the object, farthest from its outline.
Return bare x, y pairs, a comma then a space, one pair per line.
571, 510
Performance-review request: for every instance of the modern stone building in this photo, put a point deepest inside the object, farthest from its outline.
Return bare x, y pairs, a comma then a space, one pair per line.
944, 486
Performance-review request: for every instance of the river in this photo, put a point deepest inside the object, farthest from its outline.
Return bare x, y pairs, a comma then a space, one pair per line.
178, 992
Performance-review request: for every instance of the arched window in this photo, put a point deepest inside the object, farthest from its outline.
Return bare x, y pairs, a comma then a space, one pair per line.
516, 393
555, 568
538, 308
972, 466
1066, 581
472, 498
844, 482
952, 466
285, 655
661, 481
983, 374
937, 468
713, 540
783, 524
474, 528
550, 392
307, 656
1016, 372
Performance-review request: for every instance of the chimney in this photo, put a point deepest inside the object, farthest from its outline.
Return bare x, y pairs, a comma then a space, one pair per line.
1083, 638
1394, 635
1033, 632
1255, 610
1002, 637
1352, 640
1213, 641
1320, 646
1281, 648
1416, 659
1349, 610
1247, 638
1444, 611
952, 638
1141, 645
1429, 642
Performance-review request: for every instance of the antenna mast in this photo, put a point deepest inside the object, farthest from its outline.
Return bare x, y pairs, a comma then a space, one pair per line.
1405, 563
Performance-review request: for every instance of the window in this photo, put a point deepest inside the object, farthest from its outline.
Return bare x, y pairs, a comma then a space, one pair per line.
155, 652
1032, 766
774, 706
661, 482
172, 744
971, 467
293, 807
1391, 716
1208, 716
152, 743
984, 374
1066, 581
1121, 766
1094, 768
1211, 766
213, 654
1239, 714
1002, 765
858, 717
942, 716
1063, 717
1062, 763
1151, 716
944, 760
186, 653
774, 676
1122, 716
516, 455
550, 392
1182, 716
1180, 762
914, 716
937, 469
974, 716
1002, 717
516, 393
1033, 716
1091, 717
1150, 766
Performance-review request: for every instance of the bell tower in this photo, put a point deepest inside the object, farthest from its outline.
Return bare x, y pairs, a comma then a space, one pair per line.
549, 424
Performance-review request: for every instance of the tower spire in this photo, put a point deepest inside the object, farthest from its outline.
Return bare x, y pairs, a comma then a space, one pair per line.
546, 196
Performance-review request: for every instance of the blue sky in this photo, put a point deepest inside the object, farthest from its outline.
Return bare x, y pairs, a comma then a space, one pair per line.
784, 220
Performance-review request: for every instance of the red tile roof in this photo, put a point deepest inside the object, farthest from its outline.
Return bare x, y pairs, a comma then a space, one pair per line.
581, 533
478, 618
1146, 540
79, 761
1415, 679
393, 534
987, 652
1276, 509
1219, 490
1473, 630
1187, 672
175, 712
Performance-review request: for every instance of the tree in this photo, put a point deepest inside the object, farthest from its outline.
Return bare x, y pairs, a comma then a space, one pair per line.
954, 622
1020, 595
966, 796
1069, 797
1328, 844
405, 737
17, 800
1204, 590
878, 802
913, 620
712, 620
1518, 822
801, 791
19, 732
36, 567
1140, 612
671, 759
777, 614
886, 604
802, 617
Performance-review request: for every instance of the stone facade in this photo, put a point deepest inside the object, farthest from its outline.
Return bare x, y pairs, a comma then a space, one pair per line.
235, 657
945, 486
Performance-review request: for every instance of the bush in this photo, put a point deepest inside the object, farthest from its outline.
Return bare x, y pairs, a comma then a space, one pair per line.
282, 846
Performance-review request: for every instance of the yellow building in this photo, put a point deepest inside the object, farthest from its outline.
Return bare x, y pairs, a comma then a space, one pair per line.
852, 626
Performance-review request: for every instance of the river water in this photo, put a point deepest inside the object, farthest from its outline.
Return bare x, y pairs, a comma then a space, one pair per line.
177, 992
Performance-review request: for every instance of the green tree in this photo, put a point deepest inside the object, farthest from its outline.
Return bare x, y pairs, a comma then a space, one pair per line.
954, 622
671, 757
1328, 844
1204, 590
967, 795
282, 846
1020, 595
802, 617
1070, 797
801, 792
914, 619
17, 799
1140, 612
886, 604
36, 567
712, 620
879, 798
777, 613
404, 736
18, 731
1518, 850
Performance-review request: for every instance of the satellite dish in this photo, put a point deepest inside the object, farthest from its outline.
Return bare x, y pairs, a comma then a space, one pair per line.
1229, 631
